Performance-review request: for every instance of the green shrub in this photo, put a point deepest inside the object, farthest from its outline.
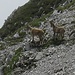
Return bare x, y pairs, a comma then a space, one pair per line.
8, 70
2, 46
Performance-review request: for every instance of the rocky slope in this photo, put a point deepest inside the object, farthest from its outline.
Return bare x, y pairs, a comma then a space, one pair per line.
59, 59
18, 56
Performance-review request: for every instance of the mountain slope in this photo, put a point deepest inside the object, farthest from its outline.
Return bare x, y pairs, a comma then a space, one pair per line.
31, 10
20, 56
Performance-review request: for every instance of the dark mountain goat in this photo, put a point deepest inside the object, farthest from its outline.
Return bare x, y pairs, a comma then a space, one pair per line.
58, 31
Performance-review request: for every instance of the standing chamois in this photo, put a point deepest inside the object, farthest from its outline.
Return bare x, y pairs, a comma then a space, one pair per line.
58, 31
36, 32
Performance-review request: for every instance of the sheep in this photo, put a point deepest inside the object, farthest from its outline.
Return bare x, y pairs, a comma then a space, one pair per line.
58, 31
36, 32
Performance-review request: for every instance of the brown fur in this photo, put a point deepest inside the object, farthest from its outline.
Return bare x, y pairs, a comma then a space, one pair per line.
36, 32
58, 31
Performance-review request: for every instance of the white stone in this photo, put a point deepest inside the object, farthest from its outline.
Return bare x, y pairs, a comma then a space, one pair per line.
16, 35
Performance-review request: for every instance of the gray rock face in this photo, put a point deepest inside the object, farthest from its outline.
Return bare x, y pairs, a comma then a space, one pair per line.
57, 60
39, 56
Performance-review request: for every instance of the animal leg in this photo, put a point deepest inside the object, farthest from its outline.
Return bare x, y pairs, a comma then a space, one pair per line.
32, 38
62, 36
41, 39
54, 35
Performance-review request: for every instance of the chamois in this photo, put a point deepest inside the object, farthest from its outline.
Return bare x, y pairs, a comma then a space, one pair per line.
57, 30
36, 32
